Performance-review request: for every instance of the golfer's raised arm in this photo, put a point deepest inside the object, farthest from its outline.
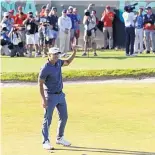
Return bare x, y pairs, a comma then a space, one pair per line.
70, 59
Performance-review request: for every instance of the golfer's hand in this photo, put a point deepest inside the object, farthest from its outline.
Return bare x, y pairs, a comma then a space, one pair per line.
44, 104
149, 24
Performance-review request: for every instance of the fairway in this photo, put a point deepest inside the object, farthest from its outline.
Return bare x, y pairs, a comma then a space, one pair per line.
105, 60
114, 119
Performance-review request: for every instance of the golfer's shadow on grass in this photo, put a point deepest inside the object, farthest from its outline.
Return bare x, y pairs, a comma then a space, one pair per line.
103, 150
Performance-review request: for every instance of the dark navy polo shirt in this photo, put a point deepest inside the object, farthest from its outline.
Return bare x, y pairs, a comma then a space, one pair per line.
73, 19
53, 77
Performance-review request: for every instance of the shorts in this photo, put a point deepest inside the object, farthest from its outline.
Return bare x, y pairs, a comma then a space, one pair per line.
77, 33
32, 39
89, 38
54, 34
43, 41
72, 34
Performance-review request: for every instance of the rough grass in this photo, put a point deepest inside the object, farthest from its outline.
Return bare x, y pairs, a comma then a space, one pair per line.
84, 74
103, 119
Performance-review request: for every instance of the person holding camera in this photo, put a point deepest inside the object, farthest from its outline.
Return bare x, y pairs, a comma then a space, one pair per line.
8, 21
149, 31
107, 19
16, 46
139, 32
54, 23
129, 20
45, 32
4, 40
89, 22
65, 25
32, 37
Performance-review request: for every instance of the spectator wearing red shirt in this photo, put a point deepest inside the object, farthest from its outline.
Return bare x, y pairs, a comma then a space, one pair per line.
19, 18
42, 11
107, 18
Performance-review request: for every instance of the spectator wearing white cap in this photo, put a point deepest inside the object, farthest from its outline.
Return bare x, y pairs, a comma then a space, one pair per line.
4, 40
65, 25
7, 20
32, 36
89, 21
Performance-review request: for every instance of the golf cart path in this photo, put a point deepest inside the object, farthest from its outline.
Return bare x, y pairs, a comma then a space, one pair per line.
117, 81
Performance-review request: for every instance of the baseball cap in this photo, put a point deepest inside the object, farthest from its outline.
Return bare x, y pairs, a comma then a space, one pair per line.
30, 12
6, 14
54, 8
108, 7
64, 11
54, 50
70, 7
11, 11
86, 10
148, 8
3, 25
19, 7
43, 7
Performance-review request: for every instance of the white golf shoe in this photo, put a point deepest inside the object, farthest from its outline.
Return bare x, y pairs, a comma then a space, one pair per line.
63, 142
48, 146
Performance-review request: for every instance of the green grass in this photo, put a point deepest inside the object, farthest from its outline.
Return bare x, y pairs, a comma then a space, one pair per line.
105, 60
84, 75
107, 65
107, 119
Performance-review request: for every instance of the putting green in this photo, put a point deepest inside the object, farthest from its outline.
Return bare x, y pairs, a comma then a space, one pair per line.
103, 119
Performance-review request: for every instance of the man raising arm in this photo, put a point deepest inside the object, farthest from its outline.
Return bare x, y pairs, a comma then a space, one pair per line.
50, 86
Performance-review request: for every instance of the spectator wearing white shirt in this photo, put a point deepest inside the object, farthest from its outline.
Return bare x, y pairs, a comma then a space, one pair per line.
65, 25
89, 21
129, 18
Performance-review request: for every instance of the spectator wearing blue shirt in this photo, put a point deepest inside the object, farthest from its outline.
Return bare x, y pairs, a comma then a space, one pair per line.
77, 25
5, 40
51, 85
7, 20
139, 32
74, 22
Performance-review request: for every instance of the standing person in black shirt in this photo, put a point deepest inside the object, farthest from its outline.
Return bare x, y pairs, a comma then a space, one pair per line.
31, 34
54, 22
45, 32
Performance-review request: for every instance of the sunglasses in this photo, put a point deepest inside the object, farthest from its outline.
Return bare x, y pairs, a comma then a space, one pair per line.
56, 54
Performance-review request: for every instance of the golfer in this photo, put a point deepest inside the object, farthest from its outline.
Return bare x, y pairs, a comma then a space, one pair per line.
51, 85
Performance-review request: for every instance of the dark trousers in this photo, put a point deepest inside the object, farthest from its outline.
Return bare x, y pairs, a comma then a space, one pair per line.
17, 51
130, 39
